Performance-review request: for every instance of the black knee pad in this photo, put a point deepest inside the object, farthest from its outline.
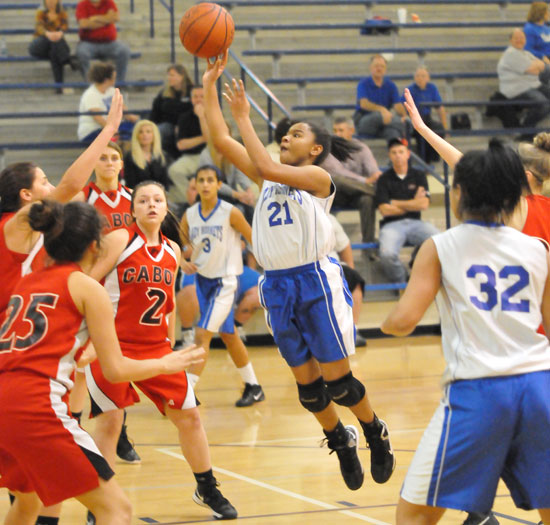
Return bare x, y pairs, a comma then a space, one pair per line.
346, 391
314, 396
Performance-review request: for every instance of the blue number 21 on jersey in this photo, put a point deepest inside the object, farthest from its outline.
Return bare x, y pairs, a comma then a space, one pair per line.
489, 288
276, 208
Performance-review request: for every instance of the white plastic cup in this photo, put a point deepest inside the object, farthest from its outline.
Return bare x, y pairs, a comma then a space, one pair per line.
402, 15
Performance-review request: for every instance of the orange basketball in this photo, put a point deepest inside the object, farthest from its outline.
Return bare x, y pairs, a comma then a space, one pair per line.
206, 30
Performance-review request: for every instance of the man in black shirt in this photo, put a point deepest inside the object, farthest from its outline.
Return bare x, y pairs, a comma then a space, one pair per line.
401, 194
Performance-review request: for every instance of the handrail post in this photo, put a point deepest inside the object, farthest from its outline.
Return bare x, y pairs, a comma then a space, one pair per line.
447, 196
172, 34
270, 120
196, 62
151, 19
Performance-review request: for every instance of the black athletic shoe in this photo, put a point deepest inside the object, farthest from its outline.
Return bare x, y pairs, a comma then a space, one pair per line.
481, 518
251, 394
350, 466
90, 519
125, 449
214, 500
382, 460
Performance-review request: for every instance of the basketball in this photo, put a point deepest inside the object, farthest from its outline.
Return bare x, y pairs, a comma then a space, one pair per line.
206, 30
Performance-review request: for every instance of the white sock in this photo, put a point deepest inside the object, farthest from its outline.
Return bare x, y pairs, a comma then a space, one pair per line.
193, 379
247, 374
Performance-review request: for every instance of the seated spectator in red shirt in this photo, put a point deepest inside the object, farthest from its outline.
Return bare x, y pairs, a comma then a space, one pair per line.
98, 36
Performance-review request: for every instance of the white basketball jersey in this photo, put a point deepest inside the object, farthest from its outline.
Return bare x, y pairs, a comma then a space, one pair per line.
216, 245
290, 227
492, 284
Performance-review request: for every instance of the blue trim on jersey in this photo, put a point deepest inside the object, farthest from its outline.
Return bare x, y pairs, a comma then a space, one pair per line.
486, 224
211, 213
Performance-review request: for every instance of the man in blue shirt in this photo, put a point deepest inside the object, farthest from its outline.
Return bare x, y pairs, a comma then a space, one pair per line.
376, 97
422, 90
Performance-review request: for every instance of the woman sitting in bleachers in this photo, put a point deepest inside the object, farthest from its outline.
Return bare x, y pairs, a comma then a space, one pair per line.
49, 39
145, 160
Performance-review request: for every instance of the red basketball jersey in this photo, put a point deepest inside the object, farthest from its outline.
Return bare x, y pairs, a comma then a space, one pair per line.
14, 265
141, 287
537, 223
43, 330
114, 205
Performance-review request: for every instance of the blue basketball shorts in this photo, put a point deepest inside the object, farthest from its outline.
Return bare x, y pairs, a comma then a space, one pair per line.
216, 301
308, 311
483, 430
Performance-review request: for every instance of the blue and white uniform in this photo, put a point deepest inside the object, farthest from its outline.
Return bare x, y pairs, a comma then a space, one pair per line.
494, 419
217, 254
308, 305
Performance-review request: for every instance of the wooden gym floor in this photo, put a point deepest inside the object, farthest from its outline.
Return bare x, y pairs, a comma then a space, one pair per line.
267, 457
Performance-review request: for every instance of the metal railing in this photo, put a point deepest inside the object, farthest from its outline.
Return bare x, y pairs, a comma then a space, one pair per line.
169, 6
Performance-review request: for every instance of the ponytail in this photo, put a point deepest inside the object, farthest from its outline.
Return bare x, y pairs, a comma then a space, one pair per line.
68, 229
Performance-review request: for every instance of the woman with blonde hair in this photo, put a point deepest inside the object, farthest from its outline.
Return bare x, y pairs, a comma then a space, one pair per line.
172, 100
145, 160
537, 33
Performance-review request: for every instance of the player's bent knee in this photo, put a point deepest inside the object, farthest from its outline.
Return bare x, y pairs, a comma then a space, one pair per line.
314, 396
346, 391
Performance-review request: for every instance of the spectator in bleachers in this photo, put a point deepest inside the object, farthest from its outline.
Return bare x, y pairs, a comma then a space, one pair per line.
377, 96
537, 32
98, 36
354, 179
172, 100
518, 75
401, 195
145, 159
97, 99
191, 137
51, 23
362, 161
422, 90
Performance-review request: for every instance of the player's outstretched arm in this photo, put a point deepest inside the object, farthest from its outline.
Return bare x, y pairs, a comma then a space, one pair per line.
239, 223
449, 153
309, 177
92, 301
420, 292
79, 172
219, 133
